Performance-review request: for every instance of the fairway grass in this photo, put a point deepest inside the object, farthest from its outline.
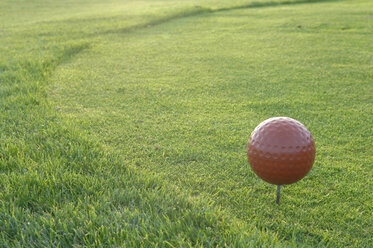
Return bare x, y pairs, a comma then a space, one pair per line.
126, 123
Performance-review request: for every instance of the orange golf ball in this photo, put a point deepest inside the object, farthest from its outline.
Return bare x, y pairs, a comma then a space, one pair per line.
281, 150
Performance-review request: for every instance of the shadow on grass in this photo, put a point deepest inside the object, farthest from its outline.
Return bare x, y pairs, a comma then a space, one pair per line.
198, 10
272, 4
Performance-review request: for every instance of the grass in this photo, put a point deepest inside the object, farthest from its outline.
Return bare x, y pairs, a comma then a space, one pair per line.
126, 123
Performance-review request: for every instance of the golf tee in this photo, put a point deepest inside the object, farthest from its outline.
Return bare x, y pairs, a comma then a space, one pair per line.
278, 195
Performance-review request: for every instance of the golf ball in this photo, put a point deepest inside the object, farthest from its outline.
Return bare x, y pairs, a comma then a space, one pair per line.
281, 150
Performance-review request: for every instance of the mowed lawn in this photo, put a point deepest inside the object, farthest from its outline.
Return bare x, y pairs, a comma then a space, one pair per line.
126, 123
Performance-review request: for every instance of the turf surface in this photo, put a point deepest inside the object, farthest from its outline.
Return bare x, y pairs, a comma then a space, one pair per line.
126, 123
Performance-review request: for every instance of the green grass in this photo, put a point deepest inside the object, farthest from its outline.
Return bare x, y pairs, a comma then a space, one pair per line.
125, 123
